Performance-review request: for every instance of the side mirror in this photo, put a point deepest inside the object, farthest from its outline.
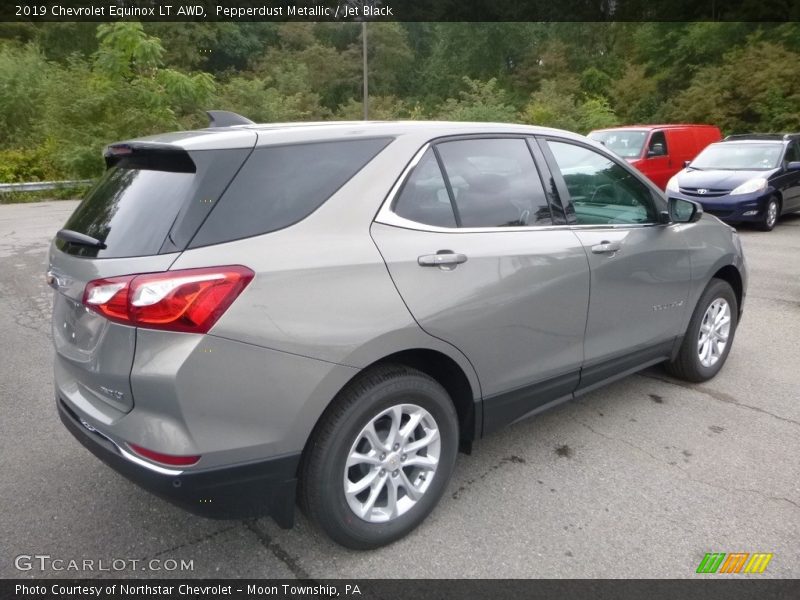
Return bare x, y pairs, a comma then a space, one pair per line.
684, 211
793, 165
656, 150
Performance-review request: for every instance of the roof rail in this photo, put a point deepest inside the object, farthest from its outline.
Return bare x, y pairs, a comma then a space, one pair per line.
224, 118
786, 137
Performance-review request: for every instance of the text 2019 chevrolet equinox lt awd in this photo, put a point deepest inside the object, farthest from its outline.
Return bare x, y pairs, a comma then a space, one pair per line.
247, 315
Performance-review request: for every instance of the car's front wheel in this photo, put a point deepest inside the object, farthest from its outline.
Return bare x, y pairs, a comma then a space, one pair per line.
380, 458
771, 213
708, 339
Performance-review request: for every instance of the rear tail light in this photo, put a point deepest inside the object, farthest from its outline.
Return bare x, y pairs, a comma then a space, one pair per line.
190, 300
166, 459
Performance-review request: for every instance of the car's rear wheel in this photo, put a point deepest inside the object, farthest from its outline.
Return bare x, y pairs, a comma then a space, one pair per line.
771, 213
708, 339
380, 458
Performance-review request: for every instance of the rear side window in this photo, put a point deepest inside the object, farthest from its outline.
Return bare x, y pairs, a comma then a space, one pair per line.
495, 183
281, 185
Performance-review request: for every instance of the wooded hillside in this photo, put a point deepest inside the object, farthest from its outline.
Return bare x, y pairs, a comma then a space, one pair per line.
67, 89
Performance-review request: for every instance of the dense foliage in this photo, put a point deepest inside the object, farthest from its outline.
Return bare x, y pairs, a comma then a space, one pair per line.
66, 89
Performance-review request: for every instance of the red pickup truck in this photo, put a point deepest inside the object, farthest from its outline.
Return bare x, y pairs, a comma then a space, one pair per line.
658, 151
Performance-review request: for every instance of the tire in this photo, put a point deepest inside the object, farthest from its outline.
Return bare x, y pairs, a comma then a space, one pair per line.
772, 212
374, 398
696, 361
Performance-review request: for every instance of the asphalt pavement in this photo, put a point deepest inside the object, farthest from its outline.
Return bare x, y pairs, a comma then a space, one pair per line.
639, 479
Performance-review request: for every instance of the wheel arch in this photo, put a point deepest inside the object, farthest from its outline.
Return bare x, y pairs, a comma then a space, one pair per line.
461, 385
449, 374
731, 275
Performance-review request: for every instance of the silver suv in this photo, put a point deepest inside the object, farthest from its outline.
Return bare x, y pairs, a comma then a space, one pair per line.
250, 315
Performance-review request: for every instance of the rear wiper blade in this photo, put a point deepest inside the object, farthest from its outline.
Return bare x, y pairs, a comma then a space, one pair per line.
73, 237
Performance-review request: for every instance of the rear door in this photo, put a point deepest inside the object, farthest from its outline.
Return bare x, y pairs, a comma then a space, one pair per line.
142, 212
482, 256
640, 270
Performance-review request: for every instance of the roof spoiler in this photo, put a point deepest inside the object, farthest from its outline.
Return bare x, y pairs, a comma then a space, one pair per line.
149, 155
224, 118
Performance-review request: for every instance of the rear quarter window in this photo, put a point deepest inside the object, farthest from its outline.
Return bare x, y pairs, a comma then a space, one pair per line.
279, 186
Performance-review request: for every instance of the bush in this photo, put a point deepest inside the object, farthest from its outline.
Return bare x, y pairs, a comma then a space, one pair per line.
259, 101
18, 165
24, 74
481, 101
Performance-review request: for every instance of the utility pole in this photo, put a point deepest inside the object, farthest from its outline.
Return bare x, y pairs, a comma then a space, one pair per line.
366, 72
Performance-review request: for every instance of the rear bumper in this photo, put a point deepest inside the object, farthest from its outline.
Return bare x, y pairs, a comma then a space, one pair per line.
239, 491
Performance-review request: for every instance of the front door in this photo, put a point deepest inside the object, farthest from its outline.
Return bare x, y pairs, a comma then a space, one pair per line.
789, 181
640, 269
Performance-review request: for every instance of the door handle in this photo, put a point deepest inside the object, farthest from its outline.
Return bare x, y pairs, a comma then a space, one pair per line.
443, 258
606, 247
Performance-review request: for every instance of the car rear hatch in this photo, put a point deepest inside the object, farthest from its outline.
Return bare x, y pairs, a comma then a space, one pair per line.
137, 219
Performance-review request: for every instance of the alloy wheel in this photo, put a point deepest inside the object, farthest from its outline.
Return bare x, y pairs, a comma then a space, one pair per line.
772, 213
714, 332
391, 463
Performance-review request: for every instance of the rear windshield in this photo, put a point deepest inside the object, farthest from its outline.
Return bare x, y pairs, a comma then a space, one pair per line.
130, 210
622, 142
281, 185
152, 202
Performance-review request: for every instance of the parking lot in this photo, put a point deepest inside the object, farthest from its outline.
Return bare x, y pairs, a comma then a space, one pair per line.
639, 479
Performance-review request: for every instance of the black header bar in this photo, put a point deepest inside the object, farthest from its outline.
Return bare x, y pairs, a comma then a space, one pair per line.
238, 11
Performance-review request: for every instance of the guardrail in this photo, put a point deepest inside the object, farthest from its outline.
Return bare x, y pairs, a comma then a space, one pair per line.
38, 186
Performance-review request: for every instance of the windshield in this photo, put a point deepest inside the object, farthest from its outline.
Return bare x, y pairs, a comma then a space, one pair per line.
625, 143
743, 156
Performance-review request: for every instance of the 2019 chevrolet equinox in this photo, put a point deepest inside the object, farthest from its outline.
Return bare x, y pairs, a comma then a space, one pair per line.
247, 315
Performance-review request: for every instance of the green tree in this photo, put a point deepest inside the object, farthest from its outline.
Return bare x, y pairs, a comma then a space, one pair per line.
634, 96
262, 102
480, 101
390, 59
551, 107
595, 113
126, 50
752, 90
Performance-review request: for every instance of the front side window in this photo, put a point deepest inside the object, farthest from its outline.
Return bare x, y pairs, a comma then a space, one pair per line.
494, 183
792, 152
657, 145
602, 192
